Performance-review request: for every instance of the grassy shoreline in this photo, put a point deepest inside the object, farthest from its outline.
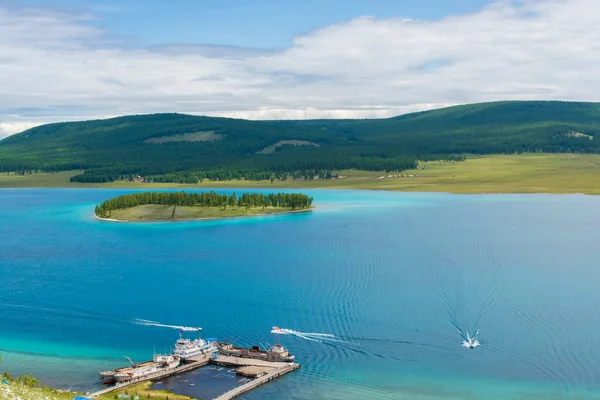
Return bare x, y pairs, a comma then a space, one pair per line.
145, 391
17, 390
524, 173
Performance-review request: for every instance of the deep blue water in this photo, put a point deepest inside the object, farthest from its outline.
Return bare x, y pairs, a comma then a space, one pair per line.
393, 276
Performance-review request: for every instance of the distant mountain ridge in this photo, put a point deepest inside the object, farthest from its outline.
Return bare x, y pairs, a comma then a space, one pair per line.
224, 148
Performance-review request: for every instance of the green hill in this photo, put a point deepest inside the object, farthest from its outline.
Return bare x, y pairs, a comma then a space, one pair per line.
176, 147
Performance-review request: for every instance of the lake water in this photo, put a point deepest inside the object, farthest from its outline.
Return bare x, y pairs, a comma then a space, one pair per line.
392, 277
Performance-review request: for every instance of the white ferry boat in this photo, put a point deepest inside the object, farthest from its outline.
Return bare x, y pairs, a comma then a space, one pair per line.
186, 348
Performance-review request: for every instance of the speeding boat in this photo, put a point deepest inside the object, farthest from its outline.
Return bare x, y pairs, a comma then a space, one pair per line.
277, 330
471, 342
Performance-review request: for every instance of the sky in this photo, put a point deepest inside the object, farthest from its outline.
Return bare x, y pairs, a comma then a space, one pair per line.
264, 59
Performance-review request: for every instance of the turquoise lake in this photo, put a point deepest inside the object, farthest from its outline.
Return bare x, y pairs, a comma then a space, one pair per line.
377, 286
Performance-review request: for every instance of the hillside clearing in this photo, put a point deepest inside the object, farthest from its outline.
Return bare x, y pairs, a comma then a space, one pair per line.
271, 149
209, 136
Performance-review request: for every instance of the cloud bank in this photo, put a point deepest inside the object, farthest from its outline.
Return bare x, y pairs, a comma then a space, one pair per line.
55, 66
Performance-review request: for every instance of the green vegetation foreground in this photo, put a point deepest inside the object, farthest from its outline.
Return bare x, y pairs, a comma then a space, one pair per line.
181, 205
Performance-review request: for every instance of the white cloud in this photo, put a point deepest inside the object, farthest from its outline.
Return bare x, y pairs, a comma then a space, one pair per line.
10, 128
54, 66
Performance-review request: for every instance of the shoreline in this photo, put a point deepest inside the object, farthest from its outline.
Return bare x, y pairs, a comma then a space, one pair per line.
202, 219
361, 189
341, 188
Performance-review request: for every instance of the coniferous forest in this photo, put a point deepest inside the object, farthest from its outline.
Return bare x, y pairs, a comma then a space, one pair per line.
187, 149
295, 201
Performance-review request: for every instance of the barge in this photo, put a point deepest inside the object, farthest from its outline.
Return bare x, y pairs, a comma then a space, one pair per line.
275, 353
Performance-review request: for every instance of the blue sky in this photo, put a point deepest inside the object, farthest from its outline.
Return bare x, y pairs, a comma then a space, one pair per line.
247, 23
264, 59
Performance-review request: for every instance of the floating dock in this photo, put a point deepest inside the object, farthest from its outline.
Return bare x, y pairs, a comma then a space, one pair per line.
262, 372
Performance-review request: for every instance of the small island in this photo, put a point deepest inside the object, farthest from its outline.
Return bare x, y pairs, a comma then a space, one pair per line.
157, 206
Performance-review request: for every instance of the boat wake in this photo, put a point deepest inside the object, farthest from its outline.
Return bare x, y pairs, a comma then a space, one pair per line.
146, 322
310, 336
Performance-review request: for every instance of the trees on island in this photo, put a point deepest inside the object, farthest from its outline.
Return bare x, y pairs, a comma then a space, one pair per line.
206, 199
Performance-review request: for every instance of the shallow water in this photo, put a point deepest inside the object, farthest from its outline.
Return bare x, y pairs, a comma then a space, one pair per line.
392, 276
203, 383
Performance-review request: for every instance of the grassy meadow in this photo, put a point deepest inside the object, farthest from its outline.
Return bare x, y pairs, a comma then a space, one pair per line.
525, 173
41, 179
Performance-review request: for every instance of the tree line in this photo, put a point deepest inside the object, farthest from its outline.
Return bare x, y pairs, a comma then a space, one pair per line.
206, 199
278, 168
194, 177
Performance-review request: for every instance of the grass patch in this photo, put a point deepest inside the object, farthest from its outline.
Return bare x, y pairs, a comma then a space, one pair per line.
153, 212
15, 390
206, 136
529, 173
144, 391
41, 179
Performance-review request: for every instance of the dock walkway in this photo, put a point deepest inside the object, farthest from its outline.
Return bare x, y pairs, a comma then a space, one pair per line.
272, 370
198, 362
275, 373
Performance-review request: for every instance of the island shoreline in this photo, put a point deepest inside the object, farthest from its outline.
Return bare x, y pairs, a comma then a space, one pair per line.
203, 219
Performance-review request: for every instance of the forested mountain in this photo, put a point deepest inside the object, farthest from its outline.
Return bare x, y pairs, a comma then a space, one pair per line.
181, 147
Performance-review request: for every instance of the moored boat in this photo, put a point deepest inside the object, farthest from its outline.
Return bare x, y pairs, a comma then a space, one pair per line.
274, 353
107, 377
279, 353
159, 363
186, 348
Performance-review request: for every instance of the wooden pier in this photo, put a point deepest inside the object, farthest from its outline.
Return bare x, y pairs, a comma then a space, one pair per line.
266, 372
269, 376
